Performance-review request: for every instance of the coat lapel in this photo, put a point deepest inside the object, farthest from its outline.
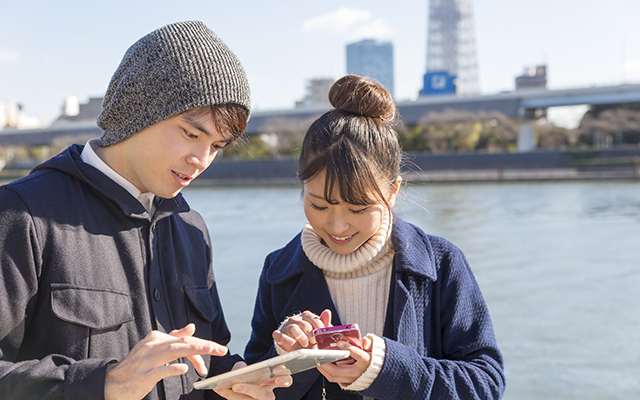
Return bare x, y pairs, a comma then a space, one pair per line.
414, 266
311, 292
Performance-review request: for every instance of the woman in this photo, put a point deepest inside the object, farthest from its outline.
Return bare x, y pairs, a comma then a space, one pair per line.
429, 331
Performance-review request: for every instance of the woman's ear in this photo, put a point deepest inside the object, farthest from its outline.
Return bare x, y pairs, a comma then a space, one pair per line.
393, 191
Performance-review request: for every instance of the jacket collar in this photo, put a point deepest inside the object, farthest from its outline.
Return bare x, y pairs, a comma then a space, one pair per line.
70, 162
414, 255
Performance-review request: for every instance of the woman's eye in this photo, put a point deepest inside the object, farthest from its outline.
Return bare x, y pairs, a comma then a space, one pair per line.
315, 207
361, 211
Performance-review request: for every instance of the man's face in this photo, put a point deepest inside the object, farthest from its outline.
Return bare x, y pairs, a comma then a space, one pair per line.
165, 157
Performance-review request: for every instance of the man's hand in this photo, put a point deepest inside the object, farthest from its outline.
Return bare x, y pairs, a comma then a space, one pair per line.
148, 362
262, 391
297, 332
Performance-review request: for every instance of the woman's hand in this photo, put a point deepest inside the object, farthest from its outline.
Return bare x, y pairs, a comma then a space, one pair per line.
259, 391
347, 374
297, 332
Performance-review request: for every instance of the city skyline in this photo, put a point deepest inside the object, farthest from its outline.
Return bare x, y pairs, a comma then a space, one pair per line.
71, 48
374, 59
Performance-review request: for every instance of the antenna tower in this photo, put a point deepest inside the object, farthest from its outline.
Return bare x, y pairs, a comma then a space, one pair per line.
451, 43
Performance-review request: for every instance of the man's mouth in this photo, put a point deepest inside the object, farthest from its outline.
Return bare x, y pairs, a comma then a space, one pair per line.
183, 176
182, 179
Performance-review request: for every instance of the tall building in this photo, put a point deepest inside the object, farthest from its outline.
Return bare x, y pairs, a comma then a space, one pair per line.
373, 59
317, 92
532, 78
451, 49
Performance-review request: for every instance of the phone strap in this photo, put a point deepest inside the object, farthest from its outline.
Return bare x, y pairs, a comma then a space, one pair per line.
324, 391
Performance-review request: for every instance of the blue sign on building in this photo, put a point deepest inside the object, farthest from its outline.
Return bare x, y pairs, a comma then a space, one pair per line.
438, 82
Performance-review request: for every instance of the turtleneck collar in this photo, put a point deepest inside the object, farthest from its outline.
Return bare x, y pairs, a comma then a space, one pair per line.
365, 260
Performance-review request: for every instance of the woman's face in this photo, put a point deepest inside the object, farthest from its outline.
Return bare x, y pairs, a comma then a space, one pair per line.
344, 227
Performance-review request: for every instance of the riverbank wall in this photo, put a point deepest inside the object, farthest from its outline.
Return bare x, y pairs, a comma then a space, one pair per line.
621, 164
557, 165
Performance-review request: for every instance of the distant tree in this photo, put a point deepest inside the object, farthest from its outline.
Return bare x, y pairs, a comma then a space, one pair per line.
606, 125
456, 130
282, 137
549, 136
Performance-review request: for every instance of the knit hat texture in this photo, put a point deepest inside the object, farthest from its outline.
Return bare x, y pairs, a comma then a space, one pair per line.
172, 69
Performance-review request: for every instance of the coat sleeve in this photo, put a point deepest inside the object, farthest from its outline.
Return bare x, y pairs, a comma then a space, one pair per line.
463, 362
20, 268
266, 319
263, 323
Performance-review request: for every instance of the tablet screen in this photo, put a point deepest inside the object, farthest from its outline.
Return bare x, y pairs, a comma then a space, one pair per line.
295, 361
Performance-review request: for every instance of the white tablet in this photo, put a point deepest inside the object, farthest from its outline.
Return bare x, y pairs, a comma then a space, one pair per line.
296, 361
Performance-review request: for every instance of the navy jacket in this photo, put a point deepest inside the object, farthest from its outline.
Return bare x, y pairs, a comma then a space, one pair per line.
438, 333
86, 274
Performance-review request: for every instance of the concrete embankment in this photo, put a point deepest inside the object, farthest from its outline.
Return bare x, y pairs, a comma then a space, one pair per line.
618, 164
622, 164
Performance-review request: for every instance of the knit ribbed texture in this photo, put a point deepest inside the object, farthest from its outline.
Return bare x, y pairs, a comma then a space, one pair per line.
173, 69
359, 281
371, 373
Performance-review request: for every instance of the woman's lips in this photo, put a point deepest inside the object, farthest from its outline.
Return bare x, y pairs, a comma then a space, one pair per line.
341, 239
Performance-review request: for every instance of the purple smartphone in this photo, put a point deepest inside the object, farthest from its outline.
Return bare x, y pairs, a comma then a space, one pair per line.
328, 338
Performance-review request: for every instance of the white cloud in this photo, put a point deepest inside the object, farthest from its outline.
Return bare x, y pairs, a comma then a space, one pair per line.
630, 70
631, 66
338, 21
376, 29
8, 55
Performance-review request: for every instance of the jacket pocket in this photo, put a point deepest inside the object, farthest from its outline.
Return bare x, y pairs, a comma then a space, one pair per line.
90, 307
200, 299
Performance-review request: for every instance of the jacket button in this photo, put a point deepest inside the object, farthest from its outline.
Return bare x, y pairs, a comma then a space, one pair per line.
156, 294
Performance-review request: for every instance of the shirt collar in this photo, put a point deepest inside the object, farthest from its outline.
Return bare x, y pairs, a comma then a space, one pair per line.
90, 157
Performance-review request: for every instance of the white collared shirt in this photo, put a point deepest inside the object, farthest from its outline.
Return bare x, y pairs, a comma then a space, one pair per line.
90, 157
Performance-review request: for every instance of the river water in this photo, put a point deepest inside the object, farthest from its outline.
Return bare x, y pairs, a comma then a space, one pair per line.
558, 264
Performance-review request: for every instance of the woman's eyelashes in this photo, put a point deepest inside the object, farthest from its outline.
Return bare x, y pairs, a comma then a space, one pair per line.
356, 212
315, 207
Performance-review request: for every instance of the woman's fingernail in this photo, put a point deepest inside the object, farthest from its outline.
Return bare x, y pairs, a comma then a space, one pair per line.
238, 388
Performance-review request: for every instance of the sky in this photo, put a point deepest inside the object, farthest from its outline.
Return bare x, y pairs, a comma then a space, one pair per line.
53, 49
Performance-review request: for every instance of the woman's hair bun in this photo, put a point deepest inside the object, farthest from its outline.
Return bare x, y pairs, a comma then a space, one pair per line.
362, 96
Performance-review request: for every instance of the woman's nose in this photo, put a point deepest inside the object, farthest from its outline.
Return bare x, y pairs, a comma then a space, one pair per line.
338, 223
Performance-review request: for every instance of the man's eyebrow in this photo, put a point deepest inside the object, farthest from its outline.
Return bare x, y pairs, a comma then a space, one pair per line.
195, 122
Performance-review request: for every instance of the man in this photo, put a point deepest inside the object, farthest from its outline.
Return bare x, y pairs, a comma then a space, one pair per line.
106, 281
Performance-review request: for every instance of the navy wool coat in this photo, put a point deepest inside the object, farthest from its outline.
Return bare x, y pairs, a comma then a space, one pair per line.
86, 274
439, 337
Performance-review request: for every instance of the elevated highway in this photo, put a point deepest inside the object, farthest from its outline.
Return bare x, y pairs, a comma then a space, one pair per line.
522, 103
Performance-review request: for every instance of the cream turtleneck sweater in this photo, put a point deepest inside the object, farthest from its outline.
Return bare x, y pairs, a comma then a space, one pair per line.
358, 281
359, 286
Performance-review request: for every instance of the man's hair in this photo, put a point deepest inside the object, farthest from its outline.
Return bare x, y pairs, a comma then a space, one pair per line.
229, 119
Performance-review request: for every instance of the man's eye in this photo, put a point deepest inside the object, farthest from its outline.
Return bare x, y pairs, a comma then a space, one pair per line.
189, 134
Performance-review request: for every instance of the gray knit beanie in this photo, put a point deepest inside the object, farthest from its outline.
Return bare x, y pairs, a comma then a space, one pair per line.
172, 69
